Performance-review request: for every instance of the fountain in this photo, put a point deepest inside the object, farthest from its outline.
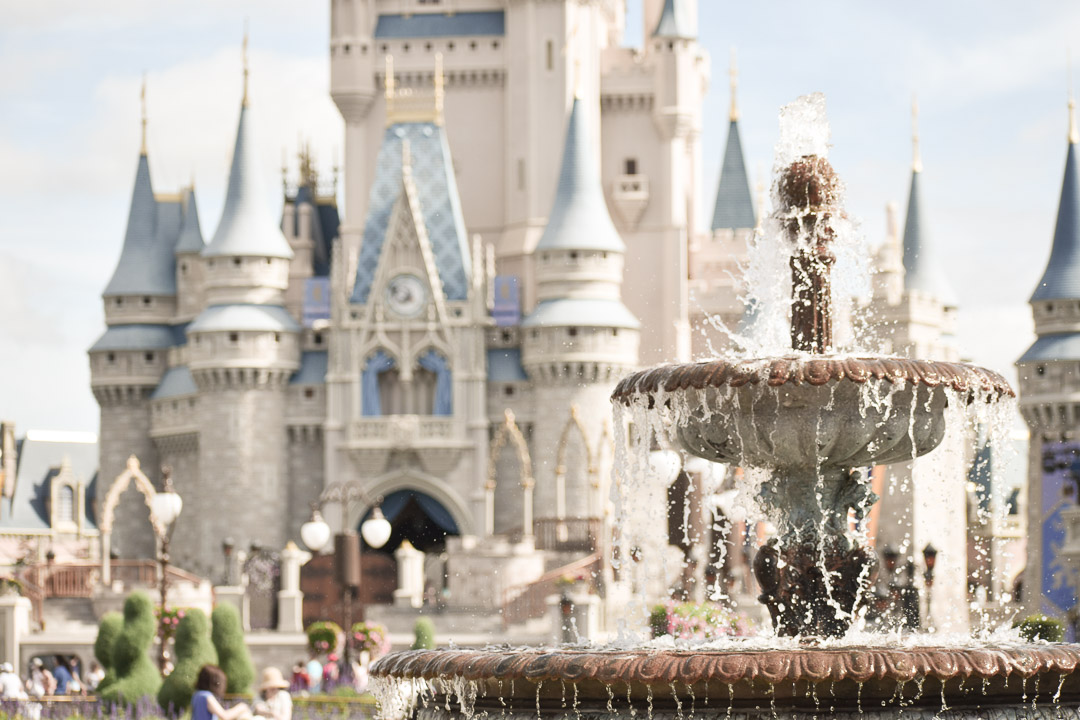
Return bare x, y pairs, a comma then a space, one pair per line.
810, 422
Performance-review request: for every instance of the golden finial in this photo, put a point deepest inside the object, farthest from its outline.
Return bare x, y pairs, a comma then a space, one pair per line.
1074, 135
245, 100
406, 156
142, 101
733, 72
439, 91
916, 158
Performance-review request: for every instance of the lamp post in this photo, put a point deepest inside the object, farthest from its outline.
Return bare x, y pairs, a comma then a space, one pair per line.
315, 534
165, 507
227, 547
929, 554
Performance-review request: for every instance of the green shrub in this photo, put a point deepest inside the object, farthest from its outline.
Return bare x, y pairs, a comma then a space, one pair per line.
233, 656
193, 650
136, 676
423, 634
112, 623
323, 637
1040, 627
658, 620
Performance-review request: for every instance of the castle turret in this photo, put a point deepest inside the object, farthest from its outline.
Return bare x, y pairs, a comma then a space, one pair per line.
189, 266
1048, 389
717, 258
580, 338
127, 362
242, 349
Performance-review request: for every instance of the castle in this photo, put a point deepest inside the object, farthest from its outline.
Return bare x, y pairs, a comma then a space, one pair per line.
518, 231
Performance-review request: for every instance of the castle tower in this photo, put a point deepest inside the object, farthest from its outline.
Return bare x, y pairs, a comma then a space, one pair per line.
717, 259
189, 266
923, 502
580, 339
242, 349
1048, 385
127, 362
406, 413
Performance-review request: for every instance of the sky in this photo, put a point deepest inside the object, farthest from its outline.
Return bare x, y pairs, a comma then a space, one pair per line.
991, 79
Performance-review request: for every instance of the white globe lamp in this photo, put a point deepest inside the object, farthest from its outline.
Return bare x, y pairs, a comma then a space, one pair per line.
315, 533
376, 529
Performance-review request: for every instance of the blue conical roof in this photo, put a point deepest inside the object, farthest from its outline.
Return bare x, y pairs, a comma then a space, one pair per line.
674, 21
191, 238
248, 227
579, 218
147, 265
922, 270
1061, 281
734, 208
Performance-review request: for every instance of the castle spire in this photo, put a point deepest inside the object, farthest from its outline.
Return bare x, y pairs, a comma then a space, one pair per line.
675, 21
579, 217
922, 270
247, 226
734, 206
1061, 280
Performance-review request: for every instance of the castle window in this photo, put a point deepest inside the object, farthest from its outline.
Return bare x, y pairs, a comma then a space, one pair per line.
1040, 370
236, 262
494, 44
450, 46
508, 391
630, 166
318, 338
614, 332
472, 45
521, 173
347, 48
1049, 308
119, 302
309, 393
573, 256
427, 46
210, 263
110, 358
234, 338
572, 332
149, 357
146, 300
65, 504
363, 49
535, 334
507, 336
549, 55
277, 337
183, 268
383, 47
405, 47
268, 261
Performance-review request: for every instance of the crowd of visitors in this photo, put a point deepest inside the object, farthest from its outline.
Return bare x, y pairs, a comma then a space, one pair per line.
61, 675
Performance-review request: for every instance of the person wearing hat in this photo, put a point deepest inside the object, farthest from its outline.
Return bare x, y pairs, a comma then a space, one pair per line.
10, 685
276, 703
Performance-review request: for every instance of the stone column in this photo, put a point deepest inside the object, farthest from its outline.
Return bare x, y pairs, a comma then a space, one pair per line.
235, 595
290, 599
14, 626
410, 589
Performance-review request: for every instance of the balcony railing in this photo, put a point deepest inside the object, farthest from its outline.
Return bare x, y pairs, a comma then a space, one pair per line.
527, 602
579, 534
402, 430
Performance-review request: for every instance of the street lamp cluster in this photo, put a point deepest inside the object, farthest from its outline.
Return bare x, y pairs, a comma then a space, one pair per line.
165, 507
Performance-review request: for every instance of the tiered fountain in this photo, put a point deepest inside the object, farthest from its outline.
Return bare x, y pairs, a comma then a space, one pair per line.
810, 421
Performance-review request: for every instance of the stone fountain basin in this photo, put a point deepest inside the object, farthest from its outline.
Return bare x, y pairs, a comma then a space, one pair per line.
796, 412
686, 684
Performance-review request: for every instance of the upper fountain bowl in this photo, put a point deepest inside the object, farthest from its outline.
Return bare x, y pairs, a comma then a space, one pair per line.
791, 412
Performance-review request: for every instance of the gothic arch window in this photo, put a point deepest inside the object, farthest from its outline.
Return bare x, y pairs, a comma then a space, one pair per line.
434, 386
373, 385
65, 504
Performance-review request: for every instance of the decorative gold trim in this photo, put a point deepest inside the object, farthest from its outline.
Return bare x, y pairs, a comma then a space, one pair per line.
509, 430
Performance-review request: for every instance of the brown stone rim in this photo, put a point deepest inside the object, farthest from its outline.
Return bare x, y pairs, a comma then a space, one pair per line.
814, 370
861, 664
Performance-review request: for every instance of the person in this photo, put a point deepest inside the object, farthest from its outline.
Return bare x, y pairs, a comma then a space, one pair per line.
209, 694
76, 686
95, 676
300, 680
276, 704
41, 681
10, 685
62, 673
314, 672
330, 672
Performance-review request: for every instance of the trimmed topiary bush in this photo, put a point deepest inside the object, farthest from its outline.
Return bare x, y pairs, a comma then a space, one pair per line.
193, 650
232, 651
1041, 627
136, 676
112, 623
423, 634
323, 636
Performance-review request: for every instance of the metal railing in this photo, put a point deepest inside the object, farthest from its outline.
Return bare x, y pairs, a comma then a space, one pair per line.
522, 603
578, 534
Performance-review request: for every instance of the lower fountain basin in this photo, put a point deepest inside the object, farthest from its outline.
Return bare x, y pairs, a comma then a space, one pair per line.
1006, 681
794, 413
